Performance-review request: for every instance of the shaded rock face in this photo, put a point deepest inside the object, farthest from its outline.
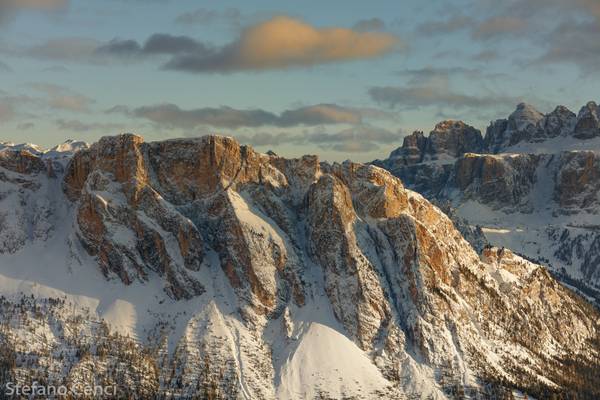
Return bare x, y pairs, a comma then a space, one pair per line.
412, 150
21, 161
500, 181
454, 138
24, 216
559, 122
520, 126
497, 181
578, 181
125, 223
424, 163
448, 139
588, 122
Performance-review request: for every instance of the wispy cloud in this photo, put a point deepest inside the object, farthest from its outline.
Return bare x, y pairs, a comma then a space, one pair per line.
68, 49
5, 68
435, 93
8, 8
369, 25
171, 116
355, 139
204, 16
74, 125
62, 98
444, 26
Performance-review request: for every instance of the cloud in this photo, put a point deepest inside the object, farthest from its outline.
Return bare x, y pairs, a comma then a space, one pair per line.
436, 93
171, 116
80, 126
563, 31
74, 49
56, 69
355, 139
444, 74
486, 56
7, 111
269, 139
284, 42
61, 98
10, 105
576, 43
203, 16
450, 25
5, 68
25, 126
369, 25
500, 26
278, 43
157, 44
8, 8
119, 48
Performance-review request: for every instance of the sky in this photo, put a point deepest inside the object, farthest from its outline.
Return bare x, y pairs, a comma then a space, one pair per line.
341, 79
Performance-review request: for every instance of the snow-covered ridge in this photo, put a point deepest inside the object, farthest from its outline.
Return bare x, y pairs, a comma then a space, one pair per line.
59, 152
235, 274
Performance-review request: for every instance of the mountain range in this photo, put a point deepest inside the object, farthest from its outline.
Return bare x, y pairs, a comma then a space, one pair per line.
531, 184
200, 268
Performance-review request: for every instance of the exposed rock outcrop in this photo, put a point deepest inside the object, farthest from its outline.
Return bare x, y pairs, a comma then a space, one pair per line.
521, 125
588, 122
448, 139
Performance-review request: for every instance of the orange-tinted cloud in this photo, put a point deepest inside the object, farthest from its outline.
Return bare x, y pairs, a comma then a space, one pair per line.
284, 42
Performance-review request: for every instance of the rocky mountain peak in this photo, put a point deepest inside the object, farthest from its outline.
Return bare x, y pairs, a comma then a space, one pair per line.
448, 139
588, 122
454, 138
560, 122
524, 117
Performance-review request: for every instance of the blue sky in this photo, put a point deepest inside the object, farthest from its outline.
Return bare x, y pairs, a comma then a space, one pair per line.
342, 79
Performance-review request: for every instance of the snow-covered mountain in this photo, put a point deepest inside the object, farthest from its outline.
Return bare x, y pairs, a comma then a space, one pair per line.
533, 187
199, 268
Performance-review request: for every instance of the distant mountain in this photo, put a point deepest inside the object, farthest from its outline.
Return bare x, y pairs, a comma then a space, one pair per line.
199, 268
534, 186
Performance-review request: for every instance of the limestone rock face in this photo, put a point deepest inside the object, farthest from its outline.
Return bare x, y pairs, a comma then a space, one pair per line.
559, 122
125, 223
449, 139
425, 162
495, 180
520, 126
21, 161
412, 150
454, 138
578, 181
25, 211
588, 122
